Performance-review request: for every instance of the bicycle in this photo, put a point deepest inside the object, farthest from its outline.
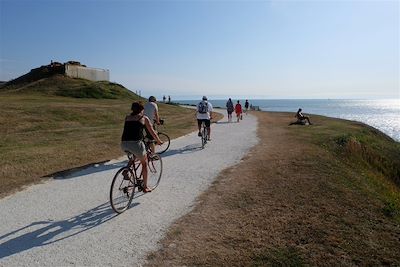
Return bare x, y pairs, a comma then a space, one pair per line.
204, 134
164, 138
129, 178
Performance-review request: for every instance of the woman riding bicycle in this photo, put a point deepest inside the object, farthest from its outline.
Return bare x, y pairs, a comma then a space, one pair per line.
132, 137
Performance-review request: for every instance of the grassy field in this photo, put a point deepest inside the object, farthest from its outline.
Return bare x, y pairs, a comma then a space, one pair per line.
321, 195
41, 135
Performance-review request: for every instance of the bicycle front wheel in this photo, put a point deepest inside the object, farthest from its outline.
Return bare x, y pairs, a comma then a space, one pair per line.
154, 171
122, 189
203, 138
166, 142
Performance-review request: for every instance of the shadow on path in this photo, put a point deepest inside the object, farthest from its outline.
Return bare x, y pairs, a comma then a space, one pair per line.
86, 169
223, 122
184, 150
105, 166
43, 233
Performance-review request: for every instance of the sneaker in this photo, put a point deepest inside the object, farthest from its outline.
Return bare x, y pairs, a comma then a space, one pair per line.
199, 134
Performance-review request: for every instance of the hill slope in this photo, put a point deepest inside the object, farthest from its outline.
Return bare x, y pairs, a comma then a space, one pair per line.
61, 85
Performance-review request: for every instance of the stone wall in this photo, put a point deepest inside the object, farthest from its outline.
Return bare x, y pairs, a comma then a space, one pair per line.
78, 71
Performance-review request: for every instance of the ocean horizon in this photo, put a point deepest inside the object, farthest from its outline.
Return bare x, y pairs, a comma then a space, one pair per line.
382, 114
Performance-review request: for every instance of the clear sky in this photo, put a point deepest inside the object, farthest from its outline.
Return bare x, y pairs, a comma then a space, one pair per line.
251, 49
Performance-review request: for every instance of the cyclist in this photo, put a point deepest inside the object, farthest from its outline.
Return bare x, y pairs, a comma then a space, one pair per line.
151, 111
204, 113
132, 137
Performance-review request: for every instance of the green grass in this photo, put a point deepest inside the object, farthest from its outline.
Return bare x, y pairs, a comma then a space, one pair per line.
287, 256
370, 157
60, 85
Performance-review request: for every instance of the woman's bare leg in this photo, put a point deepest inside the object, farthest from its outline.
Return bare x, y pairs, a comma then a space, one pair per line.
144, 171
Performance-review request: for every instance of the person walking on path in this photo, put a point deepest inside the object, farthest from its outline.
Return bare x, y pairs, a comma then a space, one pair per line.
300, 117
229, 109
132, 137
204, 114
246, 106
151, 111
238, 111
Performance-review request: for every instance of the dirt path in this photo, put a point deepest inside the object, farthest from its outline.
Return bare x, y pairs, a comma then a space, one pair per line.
283, 205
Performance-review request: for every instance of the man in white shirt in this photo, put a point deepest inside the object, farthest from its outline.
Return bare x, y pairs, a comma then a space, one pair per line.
151, 111
204, 113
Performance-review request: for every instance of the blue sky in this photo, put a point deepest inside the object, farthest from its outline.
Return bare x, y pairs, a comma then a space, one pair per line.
249, 49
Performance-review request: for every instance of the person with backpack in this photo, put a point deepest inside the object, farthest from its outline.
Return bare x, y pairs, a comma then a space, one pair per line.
229, 109
238, 111
204, 113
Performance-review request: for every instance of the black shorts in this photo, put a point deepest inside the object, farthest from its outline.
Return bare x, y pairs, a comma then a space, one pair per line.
207, 122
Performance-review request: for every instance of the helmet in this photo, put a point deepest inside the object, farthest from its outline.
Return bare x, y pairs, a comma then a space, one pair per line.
152, 99
204, 97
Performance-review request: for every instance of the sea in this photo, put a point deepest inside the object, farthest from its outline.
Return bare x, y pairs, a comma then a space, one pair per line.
382, 114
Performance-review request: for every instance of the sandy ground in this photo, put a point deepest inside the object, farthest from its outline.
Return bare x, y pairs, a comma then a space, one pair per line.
68, 220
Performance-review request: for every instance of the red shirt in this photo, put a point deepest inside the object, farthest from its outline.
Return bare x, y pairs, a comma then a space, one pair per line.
238, 108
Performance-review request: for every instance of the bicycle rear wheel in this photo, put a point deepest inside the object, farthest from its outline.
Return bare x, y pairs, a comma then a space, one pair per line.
203, 137
154, 171
166, 142
122, 189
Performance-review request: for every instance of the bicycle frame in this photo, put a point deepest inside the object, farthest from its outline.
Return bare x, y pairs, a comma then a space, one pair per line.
128, 178
135, 163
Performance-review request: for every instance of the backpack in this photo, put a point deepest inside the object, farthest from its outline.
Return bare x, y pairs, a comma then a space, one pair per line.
203, 107
229, 106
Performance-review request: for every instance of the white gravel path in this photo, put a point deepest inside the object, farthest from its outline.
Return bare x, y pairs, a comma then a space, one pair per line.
68, 221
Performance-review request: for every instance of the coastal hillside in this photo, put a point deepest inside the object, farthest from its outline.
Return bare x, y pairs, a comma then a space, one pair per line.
52, 122
42, 134
50, 81
320, 195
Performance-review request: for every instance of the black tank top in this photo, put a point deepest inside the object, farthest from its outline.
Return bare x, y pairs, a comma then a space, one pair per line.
133, 130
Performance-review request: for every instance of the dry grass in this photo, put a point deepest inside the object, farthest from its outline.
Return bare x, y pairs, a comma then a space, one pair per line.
40, 135
291, 202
